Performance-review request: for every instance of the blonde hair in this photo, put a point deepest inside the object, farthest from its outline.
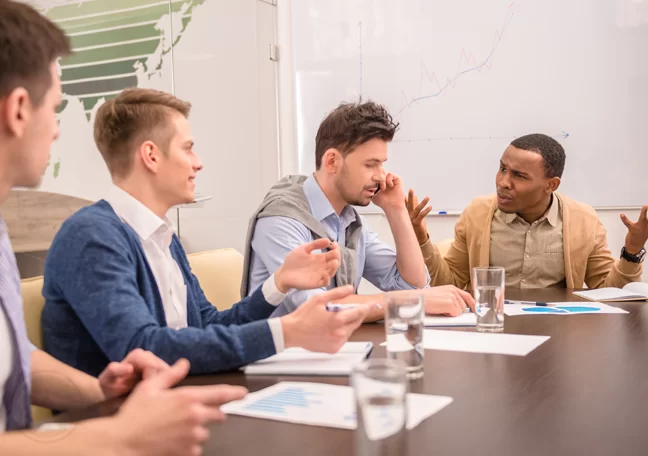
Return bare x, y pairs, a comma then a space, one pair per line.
132, 117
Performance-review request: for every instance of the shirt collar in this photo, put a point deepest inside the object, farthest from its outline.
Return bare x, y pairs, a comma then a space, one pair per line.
320, 205
132, 211
552, 212
508, 218
551, 215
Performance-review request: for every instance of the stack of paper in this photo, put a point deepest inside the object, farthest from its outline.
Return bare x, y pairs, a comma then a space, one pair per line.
465, 319
297, 361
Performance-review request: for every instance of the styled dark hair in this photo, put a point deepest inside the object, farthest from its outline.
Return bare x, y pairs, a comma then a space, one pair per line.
350, 125
553, 154
29, 44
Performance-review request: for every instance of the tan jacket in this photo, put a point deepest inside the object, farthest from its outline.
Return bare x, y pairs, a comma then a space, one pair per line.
587, 257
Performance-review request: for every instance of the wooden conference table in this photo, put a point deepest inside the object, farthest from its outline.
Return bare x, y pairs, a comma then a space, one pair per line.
584, 391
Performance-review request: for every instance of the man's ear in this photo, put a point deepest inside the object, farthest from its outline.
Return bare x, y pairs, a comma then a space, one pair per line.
16, 112
553, 184
149, 154
332, 160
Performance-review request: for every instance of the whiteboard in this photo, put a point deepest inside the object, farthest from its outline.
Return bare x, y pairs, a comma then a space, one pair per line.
465, 77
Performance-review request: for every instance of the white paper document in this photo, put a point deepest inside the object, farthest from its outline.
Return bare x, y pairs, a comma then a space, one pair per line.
473, 342
298, 361
318, 404
562, 308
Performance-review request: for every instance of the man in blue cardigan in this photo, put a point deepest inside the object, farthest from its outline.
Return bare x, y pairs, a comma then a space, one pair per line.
117, 278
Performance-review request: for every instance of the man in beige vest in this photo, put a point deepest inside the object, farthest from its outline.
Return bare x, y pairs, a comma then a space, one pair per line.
541, 238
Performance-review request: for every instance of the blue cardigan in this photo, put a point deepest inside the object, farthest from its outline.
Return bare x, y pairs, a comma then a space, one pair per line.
102, 301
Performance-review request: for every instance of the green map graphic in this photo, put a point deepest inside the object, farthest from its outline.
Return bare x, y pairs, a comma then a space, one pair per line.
114, 41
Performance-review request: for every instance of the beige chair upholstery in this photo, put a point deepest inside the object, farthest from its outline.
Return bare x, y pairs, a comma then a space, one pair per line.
33, 303
219, 273
444, 246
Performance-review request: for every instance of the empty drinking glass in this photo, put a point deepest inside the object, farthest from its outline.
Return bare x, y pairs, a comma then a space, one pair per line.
404, 330
488, 288
380, 388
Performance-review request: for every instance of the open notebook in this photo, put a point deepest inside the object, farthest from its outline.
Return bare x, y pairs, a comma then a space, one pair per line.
635, 291
298, 361
465, 319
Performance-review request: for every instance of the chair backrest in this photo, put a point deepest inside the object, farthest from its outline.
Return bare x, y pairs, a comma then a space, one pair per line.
33, 303
444, 246
219, 273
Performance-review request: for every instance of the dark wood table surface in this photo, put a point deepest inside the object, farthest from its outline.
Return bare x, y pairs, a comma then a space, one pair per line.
583, 392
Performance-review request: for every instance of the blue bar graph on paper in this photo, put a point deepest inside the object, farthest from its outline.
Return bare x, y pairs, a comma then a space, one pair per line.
290, 397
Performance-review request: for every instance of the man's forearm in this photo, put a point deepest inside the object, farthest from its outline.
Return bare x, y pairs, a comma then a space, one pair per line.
91, 437
409, 258
58, 386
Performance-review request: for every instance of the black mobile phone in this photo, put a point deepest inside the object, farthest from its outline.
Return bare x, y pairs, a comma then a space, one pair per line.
377, 189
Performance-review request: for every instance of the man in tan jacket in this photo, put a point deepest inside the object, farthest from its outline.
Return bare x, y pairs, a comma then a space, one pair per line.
541, 238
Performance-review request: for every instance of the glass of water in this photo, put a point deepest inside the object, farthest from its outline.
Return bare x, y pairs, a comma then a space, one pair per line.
404, 330
380, 388
488, 288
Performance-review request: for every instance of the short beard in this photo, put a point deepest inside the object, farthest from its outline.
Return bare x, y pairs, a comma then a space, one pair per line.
348, 199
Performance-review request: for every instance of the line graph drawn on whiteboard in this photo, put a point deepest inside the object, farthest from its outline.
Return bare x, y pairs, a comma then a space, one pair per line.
467, 64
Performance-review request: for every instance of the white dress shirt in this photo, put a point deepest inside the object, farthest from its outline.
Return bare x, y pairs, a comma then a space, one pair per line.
156, 234
6, 363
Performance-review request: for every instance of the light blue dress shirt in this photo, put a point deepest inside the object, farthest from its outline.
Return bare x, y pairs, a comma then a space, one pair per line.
274, 237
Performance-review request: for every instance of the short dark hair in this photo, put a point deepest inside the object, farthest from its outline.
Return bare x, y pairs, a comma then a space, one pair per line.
29, 44
352, 124
553, 154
